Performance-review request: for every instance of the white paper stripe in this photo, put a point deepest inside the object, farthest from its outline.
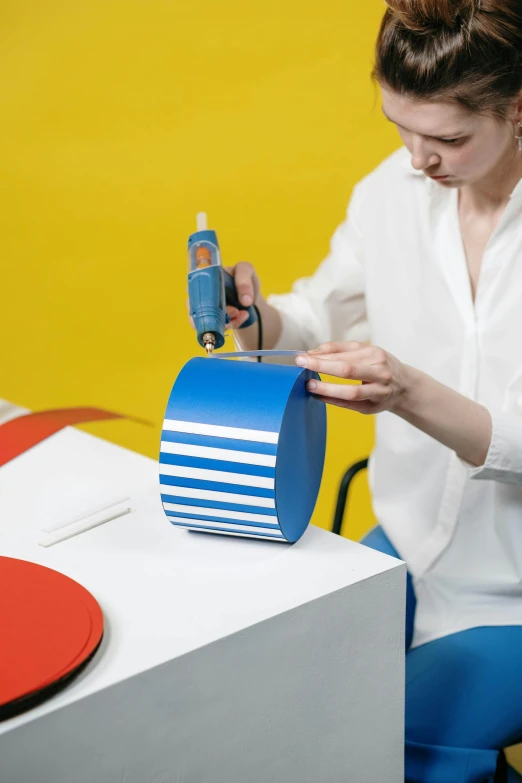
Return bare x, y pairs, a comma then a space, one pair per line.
218, 512
218, 497
221, 476
227, 525
238, 433
250, 354
227, 455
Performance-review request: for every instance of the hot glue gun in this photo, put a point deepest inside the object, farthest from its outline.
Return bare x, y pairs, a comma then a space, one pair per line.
210, 288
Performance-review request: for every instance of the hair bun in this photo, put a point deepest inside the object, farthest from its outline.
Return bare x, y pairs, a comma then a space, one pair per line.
423, 15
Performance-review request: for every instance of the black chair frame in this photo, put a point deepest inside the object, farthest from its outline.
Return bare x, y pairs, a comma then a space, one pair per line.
342, 495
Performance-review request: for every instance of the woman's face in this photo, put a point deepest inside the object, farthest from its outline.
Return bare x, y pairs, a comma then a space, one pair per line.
449, 144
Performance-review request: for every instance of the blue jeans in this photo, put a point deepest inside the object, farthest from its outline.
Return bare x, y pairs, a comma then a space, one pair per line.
463, 697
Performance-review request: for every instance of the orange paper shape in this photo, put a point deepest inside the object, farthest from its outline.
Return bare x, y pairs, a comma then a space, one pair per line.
20, 434
49, 628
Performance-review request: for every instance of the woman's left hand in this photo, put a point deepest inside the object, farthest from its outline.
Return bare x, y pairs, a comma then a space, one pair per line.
383, 376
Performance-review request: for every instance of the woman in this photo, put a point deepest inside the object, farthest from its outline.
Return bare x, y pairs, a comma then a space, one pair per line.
427, 267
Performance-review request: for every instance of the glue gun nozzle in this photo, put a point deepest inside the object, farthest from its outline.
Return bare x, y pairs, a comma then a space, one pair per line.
209, 341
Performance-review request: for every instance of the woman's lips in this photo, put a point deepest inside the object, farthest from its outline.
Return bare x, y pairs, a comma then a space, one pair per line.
445, 176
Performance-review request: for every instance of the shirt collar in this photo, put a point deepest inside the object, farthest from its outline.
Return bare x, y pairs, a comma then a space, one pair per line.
516, 195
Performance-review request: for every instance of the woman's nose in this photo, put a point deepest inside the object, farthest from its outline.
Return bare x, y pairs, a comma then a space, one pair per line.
422, 157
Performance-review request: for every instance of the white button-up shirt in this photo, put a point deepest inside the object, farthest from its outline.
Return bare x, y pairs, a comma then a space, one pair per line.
397, 275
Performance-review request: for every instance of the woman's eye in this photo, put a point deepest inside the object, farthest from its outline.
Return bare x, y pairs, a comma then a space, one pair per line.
454, 142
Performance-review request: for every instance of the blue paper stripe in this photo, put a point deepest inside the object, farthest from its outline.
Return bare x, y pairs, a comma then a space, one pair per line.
261, 525
220, 443
219, 506
240, 394
226, 530
217, 486
217, 464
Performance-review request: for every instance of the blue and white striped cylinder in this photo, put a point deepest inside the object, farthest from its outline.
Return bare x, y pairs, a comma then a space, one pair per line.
242, 449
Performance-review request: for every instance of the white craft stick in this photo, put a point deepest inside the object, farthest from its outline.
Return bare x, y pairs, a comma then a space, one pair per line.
81, 527
107, 504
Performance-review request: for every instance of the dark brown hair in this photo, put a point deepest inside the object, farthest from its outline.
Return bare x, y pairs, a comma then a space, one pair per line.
465, 52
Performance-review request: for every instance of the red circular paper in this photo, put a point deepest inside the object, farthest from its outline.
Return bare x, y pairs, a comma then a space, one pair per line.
49, 626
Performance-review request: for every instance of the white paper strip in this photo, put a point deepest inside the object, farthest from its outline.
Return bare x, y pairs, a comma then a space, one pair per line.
257, 536
218, 497
218, 512
248, 354
218, 431
226, 455
94, 520
101, 506
220, 476
227, 525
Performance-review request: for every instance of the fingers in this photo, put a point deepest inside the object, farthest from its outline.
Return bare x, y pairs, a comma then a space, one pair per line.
344, 368
326, 348
232, 312
237, 317
364, 406
330, 392
245, 280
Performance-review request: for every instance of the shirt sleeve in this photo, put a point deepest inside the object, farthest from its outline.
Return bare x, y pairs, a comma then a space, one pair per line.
504, 458
329, 305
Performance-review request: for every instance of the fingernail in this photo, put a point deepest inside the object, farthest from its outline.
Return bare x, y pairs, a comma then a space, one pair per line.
311, 385
302, 361
246, 299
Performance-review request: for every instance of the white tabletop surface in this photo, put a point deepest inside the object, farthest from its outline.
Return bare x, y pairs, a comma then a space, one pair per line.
164, 591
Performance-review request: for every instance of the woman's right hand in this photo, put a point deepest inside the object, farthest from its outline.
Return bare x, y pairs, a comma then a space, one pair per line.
248, 290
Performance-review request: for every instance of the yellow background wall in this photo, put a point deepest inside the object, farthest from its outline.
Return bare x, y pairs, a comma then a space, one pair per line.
123, 118
120, 119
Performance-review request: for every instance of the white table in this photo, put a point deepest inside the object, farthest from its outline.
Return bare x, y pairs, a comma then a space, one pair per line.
224, 660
